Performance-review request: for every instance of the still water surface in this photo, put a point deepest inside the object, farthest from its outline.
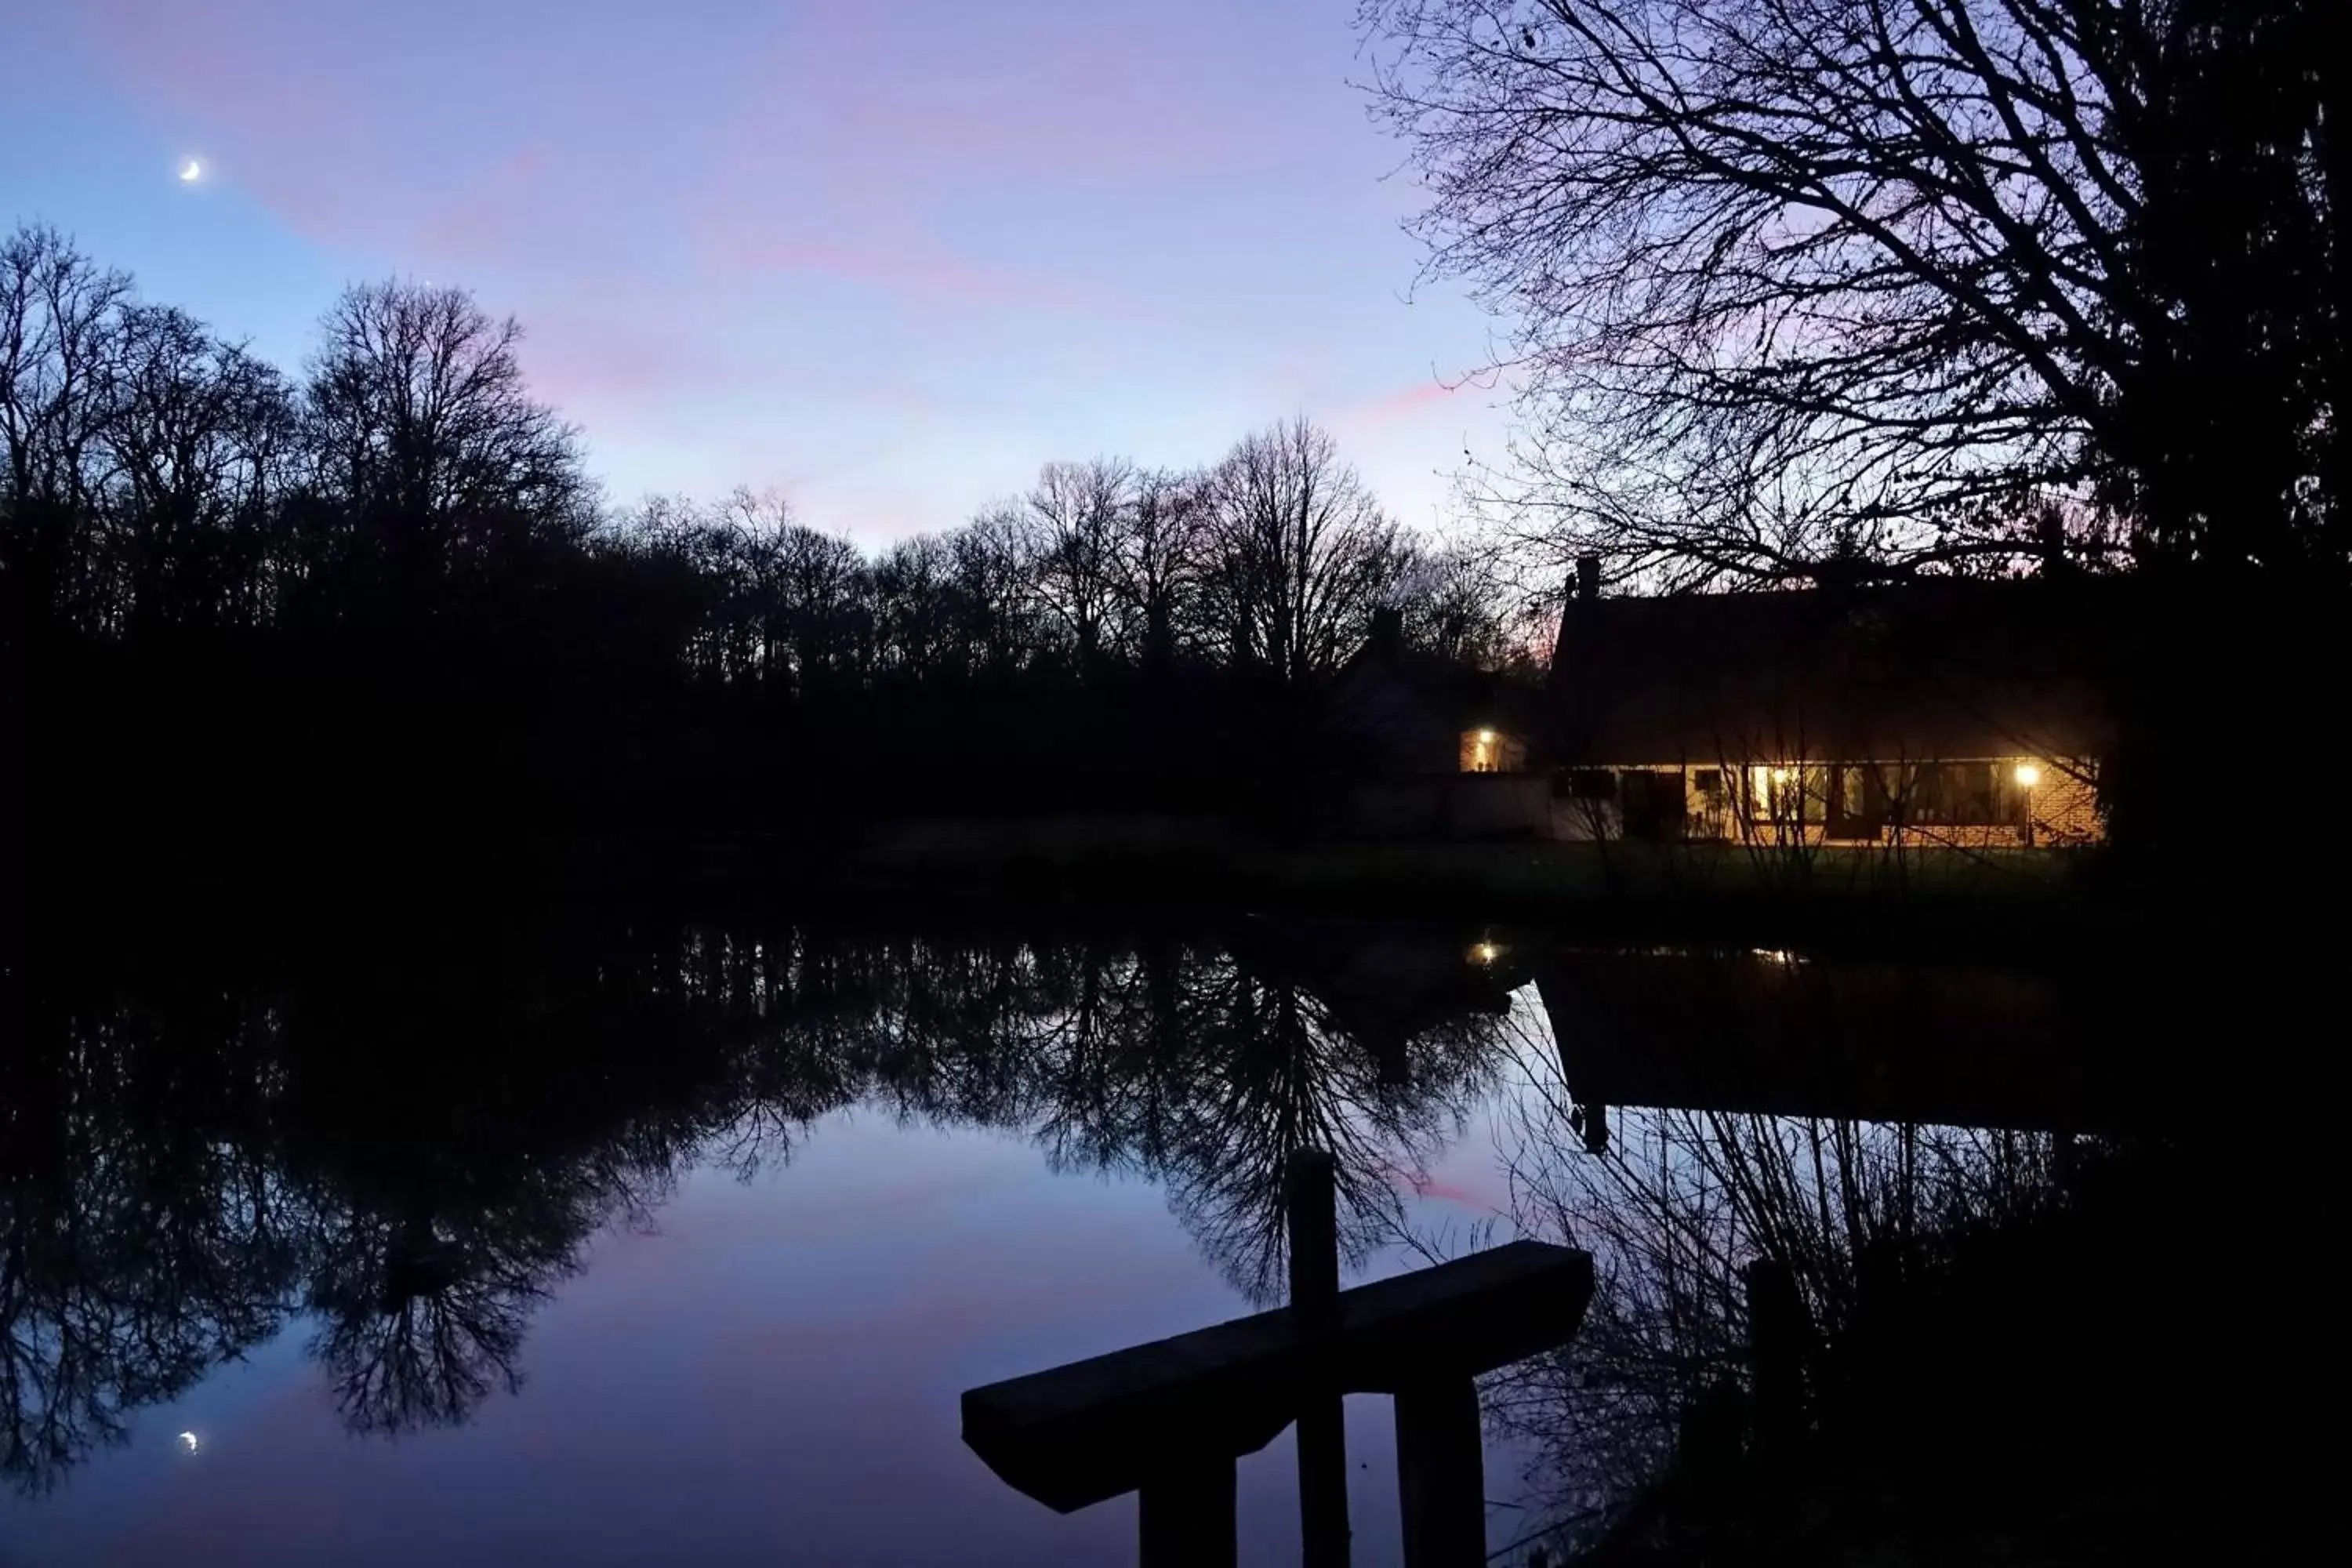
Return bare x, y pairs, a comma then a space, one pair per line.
679, 1242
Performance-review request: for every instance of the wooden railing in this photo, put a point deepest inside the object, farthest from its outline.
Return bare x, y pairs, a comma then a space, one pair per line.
1169, 1419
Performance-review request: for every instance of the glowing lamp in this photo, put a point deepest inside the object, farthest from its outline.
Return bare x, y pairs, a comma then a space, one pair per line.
2028, 775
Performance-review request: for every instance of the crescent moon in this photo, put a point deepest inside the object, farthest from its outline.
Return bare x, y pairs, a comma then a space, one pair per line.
192, 171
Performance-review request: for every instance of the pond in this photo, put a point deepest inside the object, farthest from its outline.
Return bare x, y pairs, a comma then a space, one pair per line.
651, 1240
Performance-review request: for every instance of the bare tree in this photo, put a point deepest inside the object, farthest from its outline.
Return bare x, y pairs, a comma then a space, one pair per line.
1453, 603
994, 591
1076, 512
420, 421
1157, 562
60, 318
59, 337
1913, 280
914, 614
1301, 555
802, 592
199, 439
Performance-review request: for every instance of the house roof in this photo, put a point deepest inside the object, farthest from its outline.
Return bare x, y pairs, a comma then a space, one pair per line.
1460, 694
1928, 667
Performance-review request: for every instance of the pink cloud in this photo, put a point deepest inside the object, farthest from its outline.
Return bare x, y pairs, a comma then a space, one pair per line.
950, 94
1427, 1184
493, 216
1403, 403
1445, 1192
918, 268
868, 248
582, 353
865, 173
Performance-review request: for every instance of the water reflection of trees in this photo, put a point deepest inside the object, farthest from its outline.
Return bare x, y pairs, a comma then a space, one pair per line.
137, 1249
411, 1153
1678, 1205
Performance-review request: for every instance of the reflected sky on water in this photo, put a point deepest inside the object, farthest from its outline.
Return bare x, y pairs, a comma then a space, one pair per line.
681, 1242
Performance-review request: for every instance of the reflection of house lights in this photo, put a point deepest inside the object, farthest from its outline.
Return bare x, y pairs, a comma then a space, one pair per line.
2028, 775
1780, 955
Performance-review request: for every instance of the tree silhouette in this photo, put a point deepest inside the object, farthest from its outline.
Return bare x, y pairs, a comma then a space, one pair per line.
1924, 281
1300, 553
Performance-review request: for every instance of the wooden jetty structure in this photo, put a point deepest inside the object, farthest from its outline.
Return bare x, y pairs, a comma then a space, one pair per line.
1169, 1419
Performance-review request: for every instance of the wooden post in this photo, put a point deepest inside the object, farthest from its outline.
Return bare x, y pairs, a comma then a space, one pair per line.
1778, 1329
1311, 1197
1441, 1474
1310, 1193
1184, 1517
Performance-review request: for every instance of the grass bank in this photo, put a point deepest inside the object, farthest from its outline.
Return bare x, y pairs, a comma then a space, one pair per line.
1686, 888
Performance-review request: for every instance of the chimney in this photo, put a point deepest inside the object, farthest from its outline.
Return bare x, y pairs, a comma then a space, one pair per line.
1588, 576
2050, 544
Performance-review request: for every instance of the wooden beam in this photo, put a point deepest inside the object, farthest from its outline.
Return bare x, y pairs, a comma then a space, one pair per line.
1078, 1433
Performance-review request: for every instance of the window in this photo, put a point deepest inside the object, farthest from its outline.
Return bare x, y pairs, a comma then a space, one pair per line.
1859, 806
1708, 803
1653, 803
1952, 794
1584, 783
1486, 750
1785, 794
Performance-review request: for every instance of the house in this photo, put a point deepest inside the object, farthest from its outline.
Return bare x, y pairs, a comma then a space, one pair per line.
1928, 711
1432, 748
1766, 1033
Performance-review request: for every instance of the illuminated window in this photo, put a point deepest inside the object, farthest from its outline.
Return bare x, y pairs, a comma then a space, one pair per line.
1487, 751
1789, 793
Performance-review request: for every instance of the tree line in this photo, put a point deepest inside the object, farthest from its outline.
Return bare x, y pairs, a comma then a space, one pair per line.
160, 475
391, 573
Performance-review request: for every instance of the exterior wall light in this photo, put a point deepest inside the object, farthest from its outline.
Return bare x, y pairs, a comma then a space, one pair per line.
2028, 774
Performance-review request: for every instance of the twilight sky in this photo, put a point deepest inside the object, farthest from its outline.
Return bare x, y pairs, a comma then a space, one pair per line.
887, 256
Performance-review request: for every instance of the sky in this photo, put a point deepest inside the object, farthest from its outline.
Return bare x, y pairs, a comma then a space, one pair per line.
886, 257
